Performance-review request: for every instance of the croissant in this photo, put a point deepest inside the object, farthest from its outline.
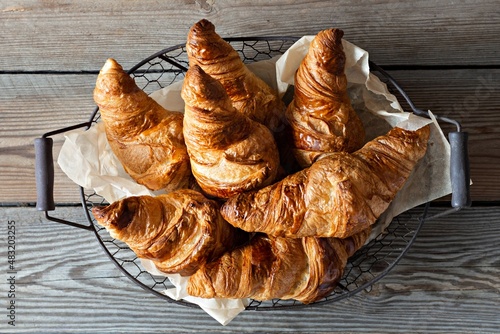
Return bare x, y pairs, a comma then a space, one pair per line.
337, 196
145, 137
304, 269
250, 95
321, 118
179, 231
229, 152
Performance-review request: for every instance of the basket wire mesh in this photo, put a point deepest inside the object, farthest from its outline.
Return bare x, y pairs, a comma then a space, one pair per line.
372, 262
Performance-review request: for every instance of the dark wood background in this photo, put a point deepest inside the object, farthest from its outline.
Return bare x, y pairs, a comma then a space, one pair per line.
444, 54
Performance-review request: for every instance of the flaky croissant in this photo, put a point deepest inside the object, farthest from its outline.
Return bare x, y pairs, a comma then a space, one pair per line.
339, 195
179, 231
229, 152
146, 138
250, 95
304, 269
321, 117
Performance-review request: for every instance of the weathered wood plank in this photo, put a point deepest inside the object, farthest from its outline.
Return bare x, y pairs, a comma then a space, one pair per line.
34, 104
74, 36
448, 282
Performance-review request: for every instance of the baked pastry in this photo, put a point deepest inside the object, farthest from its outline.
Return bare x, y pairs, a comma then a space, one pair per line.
229, 152
178, 231
321, 118
250, 94
145, 137
338, 196
304, 269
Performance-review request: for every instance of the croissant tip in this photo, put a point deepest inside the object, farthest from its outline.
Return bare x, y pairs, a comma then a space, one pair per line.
99, 213
202, 84
327, 49
194, 73
334, 33
198, 70
338, 33
203, 25
111, 64
197, 75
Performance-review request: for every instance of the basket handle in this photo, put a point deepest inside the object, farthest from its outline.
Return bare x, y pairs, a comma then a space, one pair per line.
459, 169
459, 156
44, 175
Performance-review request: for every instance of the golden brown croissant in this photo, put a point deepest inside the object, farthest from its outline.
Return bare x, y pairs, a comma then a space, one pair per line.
321, 116
146, 138
249, 94
179, 231
229, 152
305, 269
339, 195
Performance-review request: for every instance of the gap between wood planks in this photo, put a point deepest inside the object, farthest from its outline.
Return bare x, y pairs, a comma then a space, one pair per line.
385, 67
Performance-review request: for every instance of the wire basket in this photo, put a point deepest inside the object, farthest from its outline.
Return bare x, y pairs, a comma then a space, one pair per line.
364, 268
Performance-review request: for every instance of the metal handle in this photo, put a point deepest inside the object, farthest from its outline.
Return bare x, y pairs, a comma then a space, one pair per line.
44, 175
459, 170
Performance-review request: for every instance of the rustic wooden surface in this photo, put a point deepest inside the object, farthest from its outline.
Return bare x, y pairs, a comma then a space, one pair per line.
445, 55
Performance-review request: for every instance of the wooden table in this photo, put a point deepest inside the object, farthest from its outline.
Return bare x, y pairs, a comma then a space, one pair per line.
445, 55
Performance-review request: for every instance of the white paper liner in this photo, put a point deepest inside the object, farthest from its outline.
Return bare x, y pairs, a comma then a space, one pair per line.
222, 310
87, 159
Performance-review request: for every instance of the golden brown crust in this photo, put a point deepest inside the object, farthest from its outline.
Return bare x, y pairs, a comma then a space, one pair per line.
321, 116
179, 231
229, 152
145, 137
305, 269
248, 93
339, 195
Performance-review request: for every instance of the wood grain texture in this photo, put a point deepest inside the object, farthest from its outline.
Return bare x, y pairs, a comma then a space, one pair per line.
30, 106
73, 36
448, 282
34, 104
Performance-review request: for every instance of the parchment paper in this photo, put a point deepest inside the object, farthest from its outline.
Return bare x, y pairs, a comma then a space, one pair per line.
88, 160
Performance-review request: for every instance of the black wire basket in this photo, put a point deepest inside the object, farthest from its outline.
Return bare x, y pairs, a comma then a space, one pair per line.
364, 268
